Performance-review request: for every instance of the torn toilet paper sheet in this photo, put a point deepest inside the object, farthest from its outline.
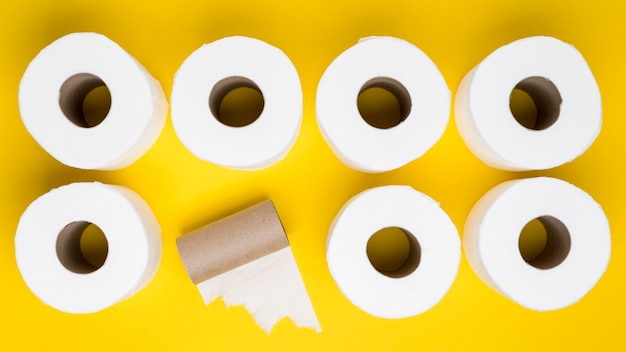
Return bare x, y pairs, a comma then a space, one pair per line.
270, 288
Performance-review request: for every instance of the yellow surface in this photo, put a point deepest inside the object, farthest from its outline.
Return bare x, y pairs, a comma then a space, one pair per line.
310, 185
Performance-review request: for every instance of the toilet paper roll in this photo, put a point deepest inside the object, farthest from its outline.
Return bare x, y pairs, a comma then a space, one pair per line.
577, 242
432, 263
53, 90
235, 240
246, 259
566, 98
399, 68
48, 246
214, 70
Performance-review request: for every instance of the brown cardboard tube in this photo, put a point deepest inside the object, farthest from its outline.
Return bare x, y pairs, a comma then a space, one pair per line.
231, 242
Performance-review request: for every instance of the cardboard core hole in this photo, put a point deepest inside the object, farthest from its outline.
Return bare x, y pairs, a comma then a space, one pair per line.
394, 252
82, 247
85, 100
236, 101
383, 102
535, 103
544, 242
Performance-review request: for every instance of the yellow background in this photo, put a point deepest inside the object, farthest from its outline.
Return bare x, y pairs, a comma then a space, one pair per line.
310, 185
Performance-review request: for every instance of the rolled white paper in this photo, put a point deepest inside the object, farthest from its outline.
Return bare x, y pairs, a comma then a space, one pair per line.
567, 98
47, 246
223, 65
57, 81
577, 250
394, 65
388, 295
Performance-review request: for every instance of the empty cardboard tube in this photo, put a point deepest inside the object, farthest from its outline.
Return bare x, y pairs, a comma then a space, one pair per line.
235, 240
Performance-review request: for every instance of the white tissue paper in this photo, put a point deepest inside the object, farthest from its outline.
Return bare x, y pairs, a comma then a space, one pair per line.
396, 66
226, 64
577, 248
411, 292
566, 98
53, 89
270, 288
53, 266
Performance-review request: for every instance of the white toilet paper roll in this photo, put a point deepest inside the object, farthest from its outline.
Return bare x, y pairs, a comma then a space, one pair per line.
48, 246
214, 70
565, 94
401, 69
53, 90
577, 242
422, 280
